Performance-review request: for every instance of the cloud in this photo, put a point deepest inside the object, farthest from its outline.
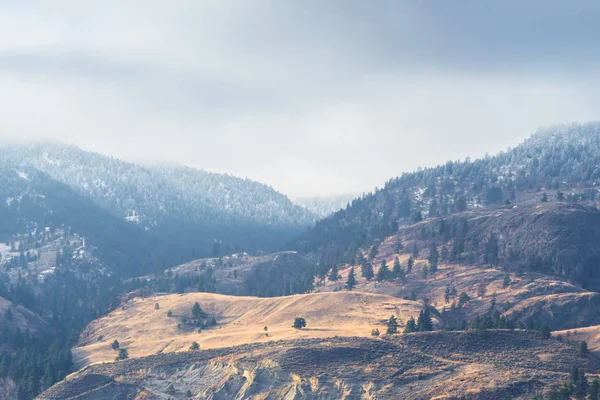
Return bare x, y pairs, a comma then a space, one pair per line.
311, 97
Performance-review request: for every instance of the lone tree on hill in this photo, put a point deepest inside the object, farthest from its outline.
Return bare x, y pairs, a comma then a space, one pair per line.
123, 354
411, 326
157, 306
392, 325
299, 323
197, 312
115, 345
351, 282
194, 346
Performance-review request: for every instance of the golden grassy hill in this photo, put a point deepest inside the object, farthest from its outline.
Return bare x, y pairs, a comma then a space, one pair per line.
143, 330
590, 334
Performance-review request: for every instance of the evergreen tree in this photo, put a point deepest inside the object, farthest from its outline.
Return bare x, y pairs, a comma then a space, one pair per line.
351, 281
544, 197
188, 393
392, 326
197, 312
560, 196
463, 299
445, 253
299, 323
115, 345
366, 271
424, 322
375, 332
123, 354
397, 268
157, 306
399, 245
415, 251
411, 326
383, 273
334, 275
373, 252
583, 349
409, 265
194, 346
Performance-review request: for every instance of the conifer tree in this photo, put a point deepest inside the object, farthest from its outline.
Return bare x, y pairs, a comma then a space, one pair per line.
392, 325
424, 322
334, 275
366, 270
197, 312
383, 273
351, 281
411, 326
397, 267
409, 265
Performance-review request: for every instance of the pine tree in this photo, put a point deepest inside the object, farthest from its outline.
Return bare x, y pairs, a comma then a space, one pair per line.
197, 312
594, 391
392, 326
409, 265
411, 326
366, 271
375, 332
415, 251
383, 273
544, 197
399, 245
583, 349
424, 322
194, 346
334, 275
188, 393
447, 294
115, 345
397, 267
351, 281
123, 354
445, 253
157, 306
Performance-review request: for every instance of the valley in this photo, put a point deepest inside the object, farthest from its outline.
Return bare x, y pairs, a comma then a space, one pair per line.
158, 282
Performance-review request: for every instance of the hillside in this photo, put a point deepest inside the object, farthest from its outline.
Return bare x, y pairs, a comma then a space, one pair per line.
276, 274
561, 161
144, 330
475, 365
174, 200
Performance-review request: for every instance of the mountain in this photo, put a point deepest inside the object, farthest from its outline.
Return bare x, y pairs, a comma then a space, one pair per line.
325, 205
189, 206
561, 164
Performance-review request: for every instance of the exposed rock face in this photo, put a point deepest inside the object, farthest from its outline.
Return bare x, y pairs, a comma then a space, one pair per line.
474, 365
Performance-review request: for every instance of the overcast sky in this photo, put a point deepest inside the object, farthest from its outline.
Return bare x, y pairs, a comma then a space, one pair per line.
312, 97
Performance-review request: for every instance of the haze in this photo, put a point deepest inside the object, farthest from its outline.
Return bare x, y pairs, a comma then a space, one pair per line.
311, 97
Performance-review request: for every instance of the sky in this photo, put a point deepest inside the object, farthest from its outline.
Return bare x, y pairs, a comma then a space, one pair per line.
312, 97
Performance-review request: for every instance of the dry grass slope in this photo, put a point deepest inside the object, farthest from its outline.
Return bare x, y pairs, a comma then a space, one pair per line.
146, 331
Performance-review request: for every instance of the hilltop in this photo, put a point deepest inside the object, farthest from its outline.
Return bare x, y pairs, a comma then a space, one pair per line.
475, 365
144, 330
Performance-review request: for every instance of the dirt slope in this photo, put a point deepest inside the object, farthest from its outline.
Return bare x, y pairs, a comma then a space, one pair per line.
143, 330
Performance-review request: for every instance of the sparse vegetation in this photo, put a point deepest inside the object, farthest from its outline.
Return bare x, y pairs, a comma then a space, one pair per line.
194, 346
375, 332
115, 345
